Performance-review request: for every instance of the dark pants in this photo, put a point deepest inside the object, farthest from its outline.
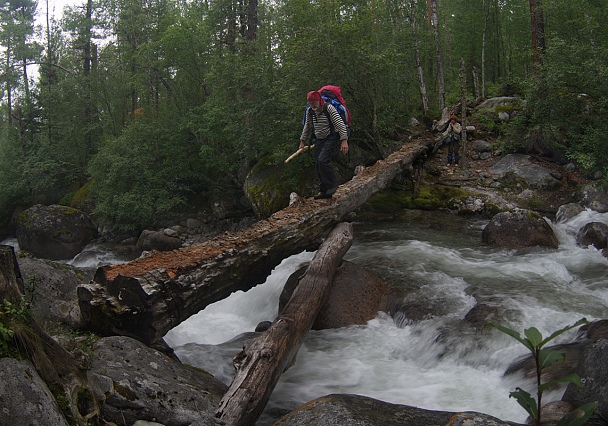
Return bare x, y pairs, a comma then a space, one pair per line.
453, 148
325, 151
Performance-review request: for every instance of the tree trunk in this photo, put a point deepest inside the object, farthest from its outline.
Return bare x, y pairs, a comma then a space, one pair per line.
260, 365
438, 58
11, 283
423, 92
463, 107
537, 24
150, 295
486, 12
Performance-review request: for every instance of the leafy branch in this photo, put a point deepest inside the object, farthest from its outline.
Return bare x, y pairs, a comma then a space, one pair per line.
544, 358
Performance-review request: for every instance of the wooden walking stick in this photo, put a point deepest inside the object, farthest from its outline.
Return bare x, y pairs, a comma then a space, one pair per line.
298, 152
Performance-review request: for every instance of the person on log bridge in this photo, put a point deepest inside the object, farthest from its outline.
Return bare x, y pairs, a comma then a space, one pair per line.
452, 140
324, 124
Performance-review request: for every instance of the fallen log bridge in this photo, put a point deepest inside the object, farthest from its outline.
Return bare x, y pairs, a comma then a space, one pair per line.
149, 296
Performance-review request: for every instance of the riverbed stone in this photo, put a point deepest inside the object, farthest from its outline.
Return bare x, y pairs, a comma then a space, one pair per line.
514, 168
357, 410
519, 229
593, 234
355, 297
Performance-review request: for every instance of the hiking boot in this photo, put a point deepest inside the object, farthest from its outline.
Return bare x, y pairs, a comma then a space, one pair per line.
331, 192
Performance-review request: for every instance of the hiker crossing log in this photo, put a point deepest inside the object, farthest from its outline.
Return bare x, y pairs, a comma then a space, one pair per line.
149, 296
259, 366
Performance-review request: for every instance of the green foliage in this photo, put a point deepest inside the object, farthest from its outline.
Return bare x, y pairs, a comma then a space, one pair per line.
543, 359
12, 317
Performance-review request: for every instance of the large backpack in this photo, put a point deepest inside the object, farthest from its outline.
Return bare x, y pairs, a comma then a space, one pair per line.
332, 95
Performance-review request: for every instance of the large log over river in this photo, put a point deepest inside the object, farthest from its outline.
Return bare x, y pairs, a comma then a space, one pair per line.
149, 296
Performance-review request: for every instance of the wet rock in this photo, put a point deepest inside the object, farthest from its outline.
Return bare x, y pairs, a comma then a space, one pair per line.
593, 370
343, 409
24, 397
568, 211
54, 232
593, 234
356, 297
595, 197
519, 229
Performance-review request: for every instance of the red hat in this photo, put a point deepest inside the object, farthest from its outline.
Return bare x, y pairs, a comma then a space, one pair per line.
314, 96
453, 117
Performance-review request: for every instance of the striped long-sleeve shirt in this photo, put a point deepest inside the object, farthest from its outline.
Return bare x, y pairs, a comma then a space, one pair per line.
320, 123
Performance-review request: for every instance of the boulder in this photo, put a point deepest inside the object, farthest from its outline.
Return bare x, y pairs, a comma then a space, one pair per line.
344, 409
501, 108
157, 241
517, 168
593, 370
568, 211
519, 229
54, 232
593, 234
356, 297
268, 188
594, 196
134, 382
51, 287
25, 400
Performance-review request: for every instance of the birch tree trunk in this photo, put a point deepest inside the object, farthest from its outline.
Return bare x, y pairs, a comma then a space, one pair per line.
440, 78
423, 92
463, 105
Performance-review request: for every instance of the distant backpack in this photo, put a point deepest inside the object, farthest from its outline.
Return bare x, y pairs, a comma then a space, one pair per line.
332, 95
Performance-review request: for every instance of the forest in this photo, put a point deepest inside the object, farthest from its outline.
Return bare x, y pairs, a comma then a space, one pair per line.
147, 105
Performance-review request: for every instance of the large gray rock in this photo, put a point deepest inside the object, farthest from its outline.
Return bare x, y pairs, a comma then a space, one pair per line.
51, 287
54, 232
355, 297
25, 400
518, 167
134, 382
593, 370
356, 410
519, 229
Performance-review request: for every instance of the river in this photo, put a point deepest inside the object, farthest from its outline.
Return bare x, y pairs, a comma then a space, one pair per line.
439, 363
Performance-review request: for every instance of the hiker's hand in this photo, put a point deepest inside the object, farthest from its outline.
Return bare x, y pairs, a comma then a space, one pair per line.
301, 145
344, 147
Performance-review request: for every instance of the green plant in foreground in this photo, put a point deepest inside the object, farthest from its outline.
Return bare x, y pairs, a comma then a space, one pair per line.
10, 316
544, 358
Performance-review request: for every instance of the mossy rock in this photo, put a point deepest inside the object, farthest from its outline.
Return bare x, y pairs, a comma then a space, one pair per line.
268, 187
54, 232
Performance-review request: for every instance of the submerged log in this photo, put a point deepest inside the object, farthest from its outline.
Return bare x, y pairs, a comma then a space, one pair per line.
260, 365
149, 296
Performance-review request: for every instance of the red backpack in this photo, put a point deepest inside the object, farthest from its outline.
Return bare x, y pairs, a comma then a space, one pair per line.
332, 95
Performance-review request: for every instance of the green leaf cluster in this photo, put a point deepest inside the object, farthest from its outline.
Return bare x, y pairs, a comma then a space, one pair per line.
544, 358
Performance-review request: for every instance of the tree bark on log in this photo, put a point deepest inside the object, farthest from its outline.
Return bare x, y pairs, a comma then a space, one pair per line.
11, 283
149, 296
260, 365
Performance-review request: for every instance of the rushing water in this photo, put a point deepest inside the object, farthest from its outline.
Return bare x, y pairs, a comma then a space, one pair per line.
440, 363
